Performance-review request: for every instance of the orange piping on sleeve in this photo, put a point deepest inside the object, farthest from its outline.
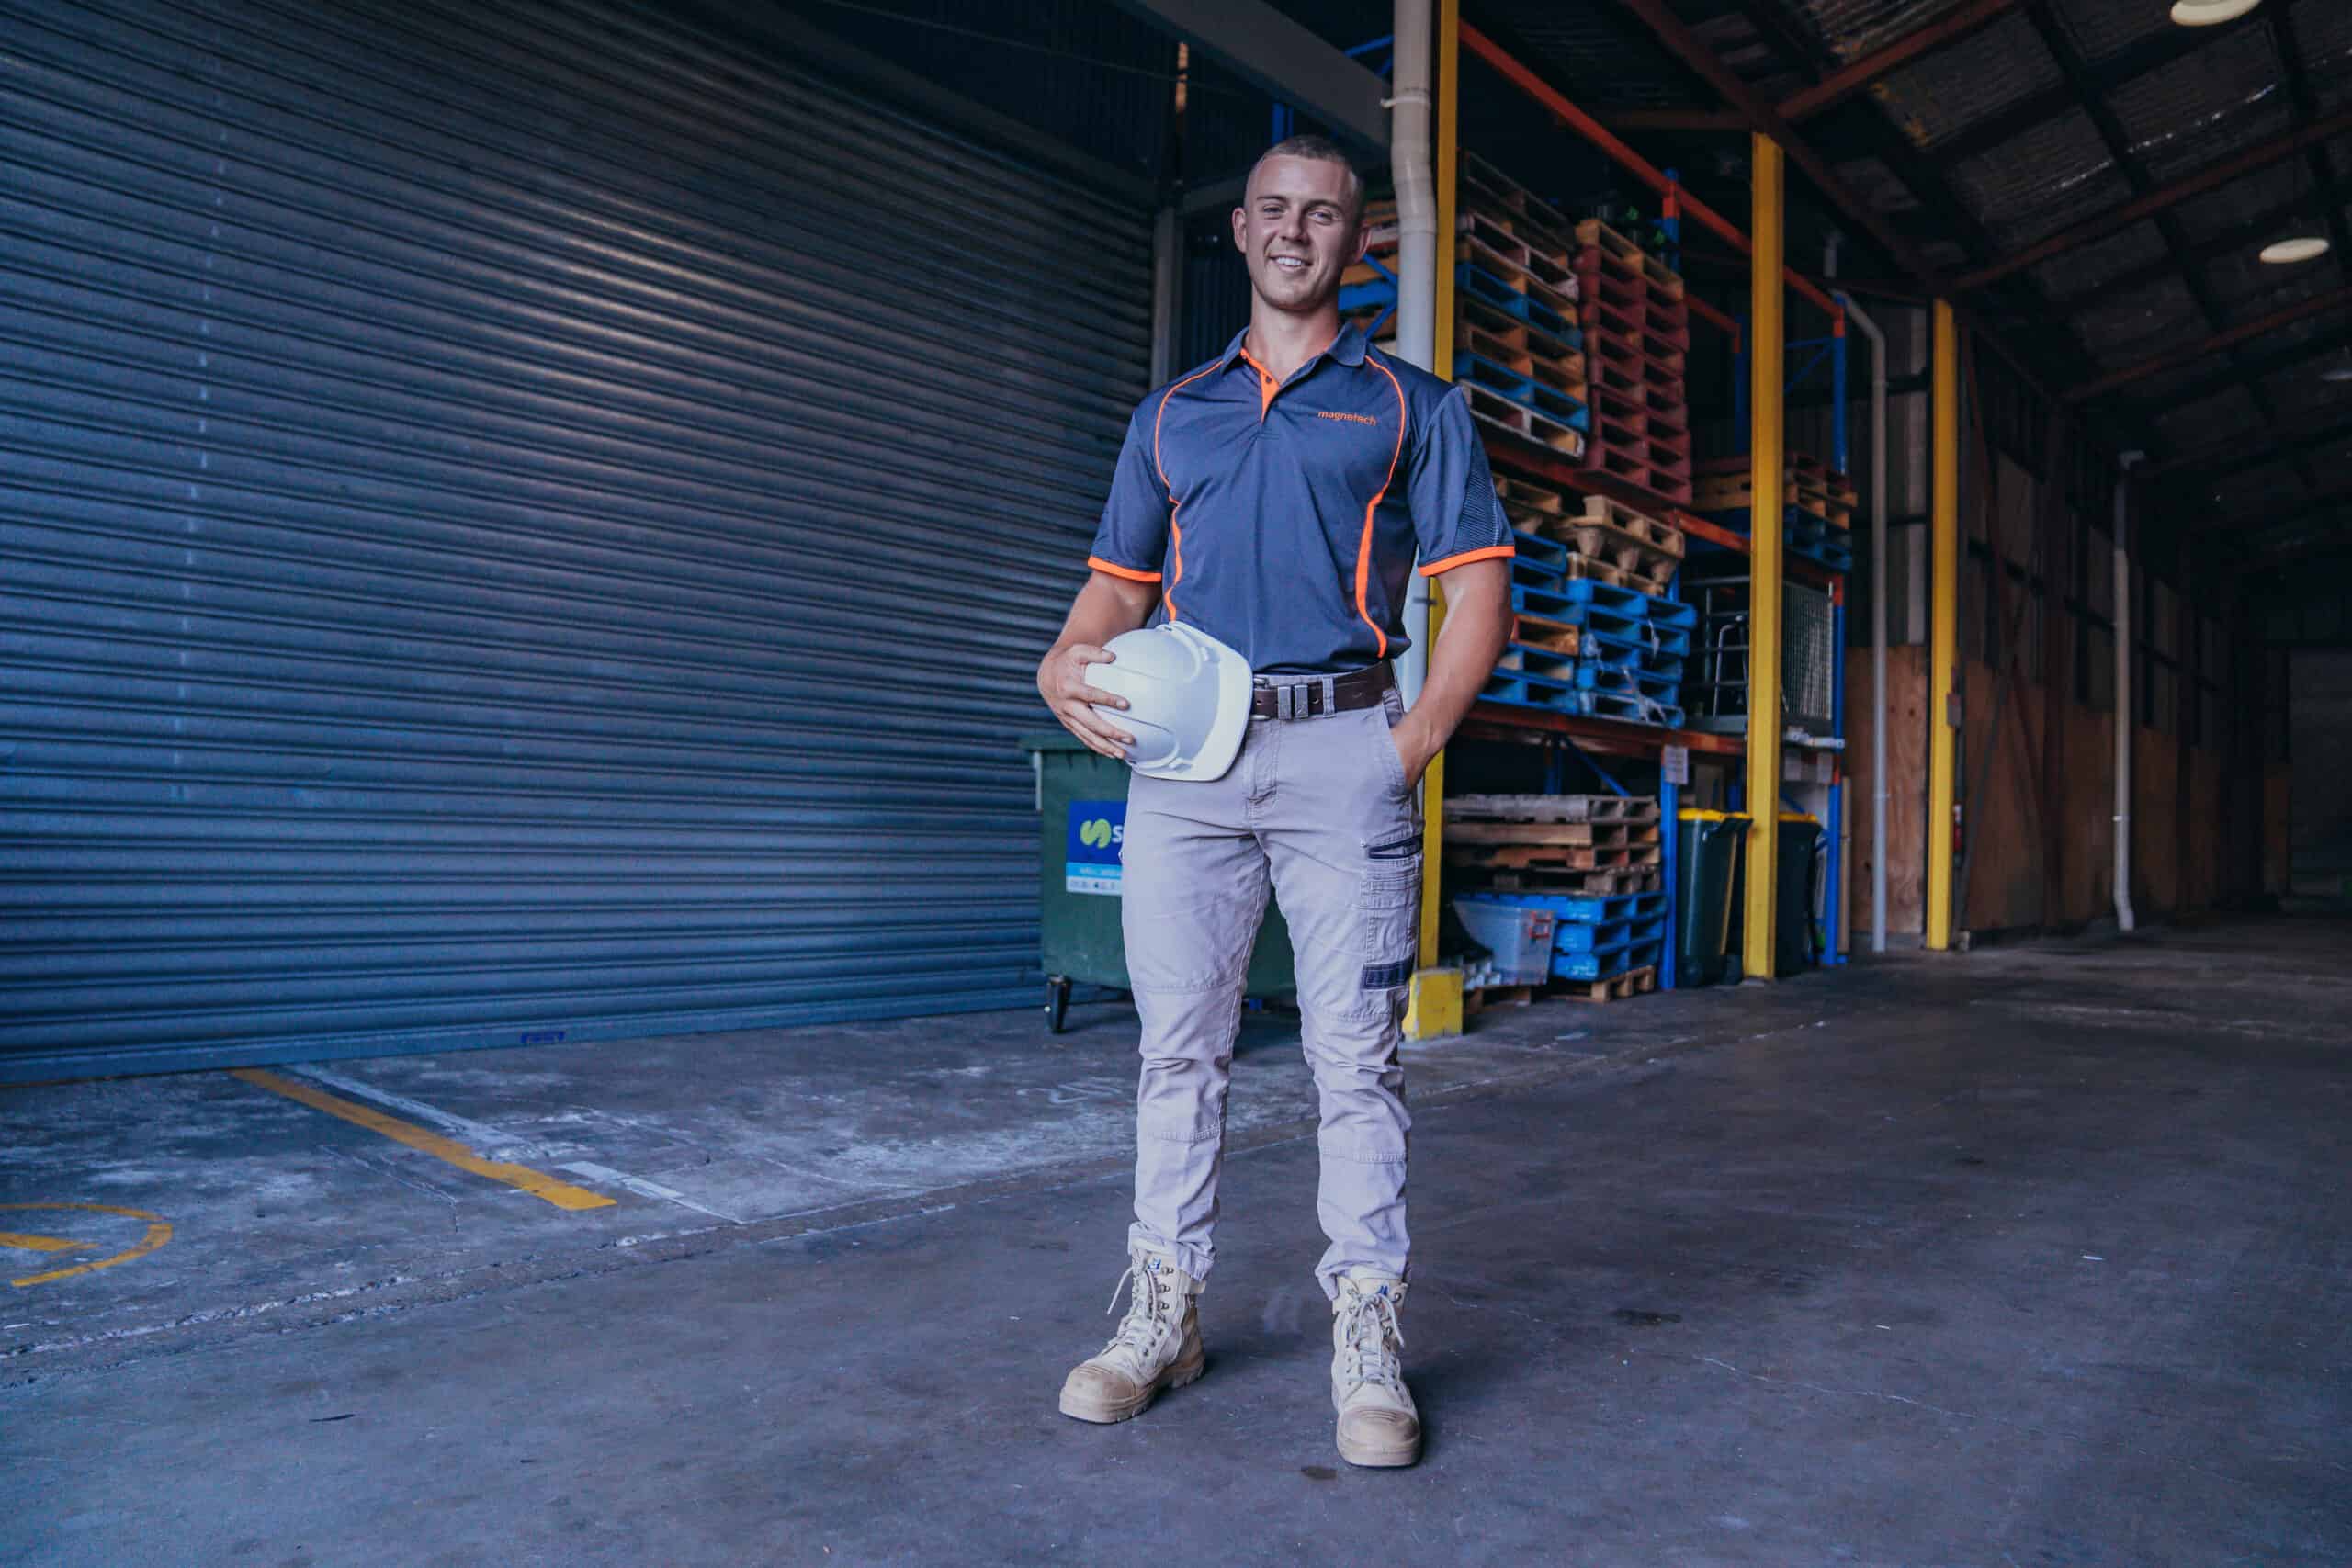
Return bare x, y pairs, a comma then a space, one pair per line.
1492, 552
1363, 549
1130, 573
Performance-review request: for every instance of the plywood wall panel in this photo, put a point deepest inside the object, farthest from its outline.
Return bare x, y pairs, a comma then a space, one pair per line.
1906, 808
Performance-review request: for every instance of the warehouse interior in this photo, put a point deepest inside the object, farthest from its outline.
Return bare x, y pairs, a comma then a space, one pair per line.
567, 1001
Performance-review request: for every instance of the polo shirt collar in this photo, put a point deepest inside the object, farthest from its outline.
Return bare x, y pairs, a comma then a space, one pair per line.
1346, 349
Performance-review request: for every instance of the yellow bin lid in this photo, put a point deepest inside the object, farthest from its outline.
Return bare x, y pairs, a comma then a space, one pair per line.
1714, 817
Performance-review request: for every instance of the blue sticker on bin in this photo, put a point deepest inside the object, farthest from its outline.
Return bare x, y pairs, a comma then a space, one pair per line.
1098, 833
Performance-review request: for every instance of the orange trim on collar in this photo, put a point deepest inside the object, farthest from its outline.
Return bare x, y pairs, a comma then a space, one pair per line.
1492, 552
1130, 573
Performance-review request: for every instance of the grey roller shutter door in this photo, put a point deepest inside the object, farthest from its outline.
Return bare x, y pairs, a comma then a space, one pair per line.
518, 521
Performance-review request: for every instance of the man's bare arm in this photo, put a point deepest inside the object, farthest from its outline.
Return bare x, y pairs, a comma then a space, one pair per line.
1105, 607
1478, 625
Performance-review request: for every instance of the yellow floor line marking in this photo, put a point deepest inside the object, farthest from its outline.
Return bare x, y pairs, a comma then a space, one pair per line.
562, 1195
41, 1242
159, 1230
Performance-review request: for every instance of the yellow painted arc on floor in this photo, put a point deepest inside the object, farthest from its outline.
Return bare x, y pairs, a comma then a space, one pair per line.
539, 1184
26, 1241
159, 1230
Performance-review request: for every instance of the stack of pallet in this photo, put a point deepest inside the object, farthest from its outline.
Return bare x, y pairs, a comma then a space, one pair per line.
1586, 865
1637, 341
1518, 350
1818, 502
1606, 539
1627, 656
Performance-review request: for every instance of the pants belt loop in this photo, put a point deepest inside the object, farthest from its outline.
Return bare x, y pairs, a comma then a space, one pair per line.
1330, 695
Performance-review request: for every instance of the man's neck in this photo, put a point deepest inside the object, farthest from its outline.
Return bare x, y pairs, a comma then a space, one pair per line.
1283, 342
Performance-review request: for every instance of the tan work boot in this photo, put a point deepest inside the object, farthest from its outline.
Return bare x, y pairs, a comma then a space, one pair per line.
1378, 1425
1157, 1345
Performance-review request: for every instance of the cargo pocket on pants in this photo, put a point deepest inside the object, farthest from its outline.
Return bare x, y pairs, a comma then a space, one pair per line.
1389, 919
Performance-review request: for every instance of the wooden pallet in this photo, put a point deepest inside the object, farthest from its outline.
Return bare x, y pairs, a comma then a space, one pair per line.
1474, 1002
1552, 637
1530, 494
1631, 357
1519, 420
1637, 460
1660, 339
1667, 414
1622, 253
1519, 857
1599, 544
1588, 884
1554, 808
1616, 988
1599, 511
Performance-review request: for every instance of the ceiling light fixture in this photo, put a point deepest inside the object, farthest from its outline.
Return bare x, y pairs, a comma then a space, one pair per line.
2338, 372
2210, 13
2301, 248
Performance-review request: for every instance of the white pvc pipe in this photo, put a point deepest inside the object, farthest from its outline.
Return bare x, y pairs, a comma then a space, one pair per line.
2123, 717
1879, 791
1410, 168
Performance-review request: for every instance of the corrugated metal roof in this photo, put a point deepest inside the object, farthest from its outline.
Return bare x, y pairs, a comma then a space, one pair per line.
1981, 75
2147, 321
2043, 180
2086, 268
2100, 28
2234, 205
2274, 488
2193, 426
2227, 95
1854, 27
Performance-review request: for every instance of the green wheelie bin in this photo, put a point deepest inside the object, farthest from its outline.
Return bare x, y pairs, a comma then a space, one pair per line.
1709, 868
1082, 817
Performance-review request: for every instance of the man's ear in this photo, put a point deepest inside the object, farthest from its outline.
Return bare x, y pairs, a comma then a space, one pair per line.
1238, 242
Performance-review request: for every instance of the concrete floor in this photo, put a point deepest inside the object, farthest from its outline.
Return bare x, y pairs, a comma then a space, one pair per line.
2039, 1256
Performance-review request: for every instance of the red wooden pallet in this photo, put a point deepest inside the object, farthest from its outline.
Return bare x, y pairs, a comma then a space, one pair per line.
1598, 281
1655, 410
1657, 341
1630, 462
1636, 352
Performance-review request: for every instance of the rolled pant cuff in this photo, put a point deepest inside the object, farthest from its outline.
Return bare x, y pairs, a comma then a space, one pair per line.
1195, 1261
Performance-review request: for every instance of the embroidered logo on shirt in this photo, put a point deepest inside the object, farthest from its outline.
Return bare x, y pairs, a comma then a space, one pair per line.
1350, 418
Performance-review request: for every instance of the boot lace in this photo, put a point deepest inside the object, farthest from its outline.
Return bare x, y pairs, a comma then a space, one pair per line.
1373, 1339
1147, 1313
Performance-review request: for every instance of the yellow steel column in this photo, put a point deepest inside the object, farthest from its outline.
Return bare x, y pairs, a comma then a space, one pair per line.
1435, 1008
1943, 627
1768, 476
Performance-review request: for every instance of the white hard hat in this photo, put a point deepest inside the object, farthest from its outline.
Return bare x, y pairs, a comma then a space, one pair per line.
1188, 700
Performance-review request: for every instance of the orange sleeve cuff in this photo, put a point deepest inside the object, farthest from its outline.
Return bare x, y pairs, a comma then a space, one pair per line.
1130, 573
1492, 552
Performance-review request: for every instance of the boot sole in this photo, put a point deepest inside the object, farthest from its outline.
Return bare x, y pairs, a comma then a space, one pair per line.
1177, 1375
1370, 1458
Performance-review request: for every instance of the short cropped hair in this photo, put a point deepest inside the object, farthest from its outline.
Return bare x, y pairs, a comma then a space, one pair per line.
1323, 150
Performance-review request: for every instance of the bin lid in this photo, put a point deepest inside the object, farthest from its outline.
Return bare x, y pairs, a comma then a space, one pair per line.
1052, 741
1800, 816
1714, 816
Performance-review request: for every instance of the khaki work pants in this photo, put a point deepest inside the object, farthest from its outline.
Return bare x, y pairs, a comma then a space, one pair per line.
1319, 807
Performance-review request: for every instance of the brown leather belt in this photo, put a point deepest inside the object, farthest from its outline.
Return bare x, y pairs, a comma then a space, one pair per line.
1316, 696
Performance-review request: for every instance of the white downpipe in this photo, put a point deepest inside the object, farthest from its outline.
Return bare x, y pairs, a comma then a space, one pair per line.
2123, 719
1410, 168
1879, 791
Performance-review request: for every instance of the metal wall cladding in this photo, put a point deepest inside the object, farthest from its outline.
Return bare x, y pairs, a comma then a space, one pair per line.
522, 521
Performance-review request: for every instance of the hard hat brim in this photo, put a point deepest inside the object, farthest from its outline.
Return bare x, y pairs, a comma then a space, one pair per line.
1223, 743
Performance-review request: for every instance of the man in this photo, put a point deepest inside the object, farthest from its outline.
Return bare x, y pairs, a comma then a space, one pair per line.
1275, 499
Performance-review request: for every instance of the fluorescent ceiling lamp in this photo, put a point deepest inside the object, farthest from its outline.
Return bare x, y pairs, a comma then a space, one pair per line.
2208, 13
2302, 248
2337, 372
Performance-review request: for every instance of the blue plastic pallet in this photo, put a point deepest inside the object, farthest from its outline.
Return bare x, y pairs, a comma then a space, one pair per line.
1535, 547
1474, 279
1526, 691
1525, 391
1605, 965
1577, 906
1643, 637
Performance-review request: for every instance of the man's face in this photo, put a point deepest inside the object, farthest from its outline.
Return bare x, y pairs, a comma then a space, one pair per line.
1297, 227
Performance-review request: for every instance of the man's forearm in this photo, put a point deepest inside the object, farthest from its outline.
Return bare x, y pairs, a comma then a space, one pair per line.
1478, 625
1105, 607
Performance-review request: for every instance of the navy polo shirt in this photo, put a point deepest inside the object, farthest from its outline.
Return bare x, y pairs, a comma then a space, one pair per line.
1282, 518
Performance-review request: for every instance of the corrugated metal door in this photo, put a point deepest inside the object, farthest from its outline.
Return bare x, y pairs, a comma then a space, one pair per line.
520, 522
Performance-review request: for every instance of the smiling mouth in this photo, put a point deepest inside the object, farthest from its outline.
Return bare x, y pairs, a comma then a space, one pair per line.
1289, 264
